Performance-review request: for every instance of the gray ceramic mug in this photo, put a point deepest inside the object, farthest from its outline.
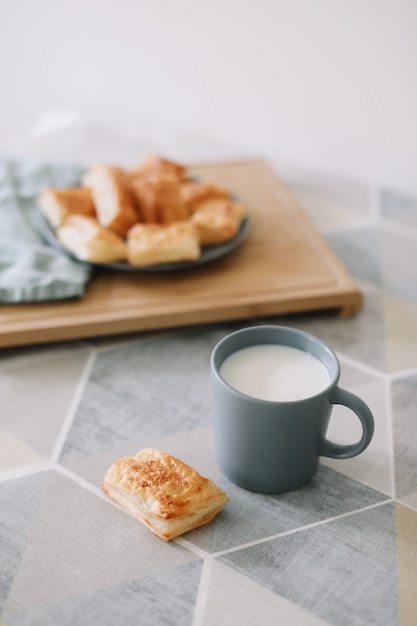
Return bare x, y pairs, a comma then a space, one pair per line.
273, 446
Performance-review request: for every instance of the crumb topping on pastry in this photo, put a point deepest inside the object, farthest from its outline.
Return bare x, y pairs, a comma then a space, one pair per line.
152, 475
163, 492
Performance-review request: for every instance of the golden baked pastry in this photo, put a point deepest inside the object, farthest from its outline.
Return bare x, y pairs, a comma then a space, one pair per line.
57, 204
156, 213
159, 199
194, 192
150, 244
115, 205
89, 241
156, 165
165, 494
217, 221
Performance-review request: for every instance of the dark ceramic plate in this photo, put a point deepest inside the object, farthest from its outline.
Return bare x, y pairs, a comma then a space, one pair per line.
208, 253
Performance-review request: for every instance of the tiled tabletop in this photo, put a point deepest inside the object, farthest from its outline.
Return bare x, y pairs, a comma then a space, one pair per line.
341, 550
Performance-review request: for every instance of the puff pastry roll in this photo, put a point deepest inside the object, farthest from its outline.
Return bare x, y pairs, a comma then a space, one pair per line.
57, 204
154, 164
149, 244
159, 199
165, 494
218, 221
195, 192
89, 241
115, 205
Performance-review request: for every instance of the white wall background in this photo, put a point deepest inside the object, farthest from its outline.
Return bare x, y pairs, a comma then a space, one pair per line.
327, 84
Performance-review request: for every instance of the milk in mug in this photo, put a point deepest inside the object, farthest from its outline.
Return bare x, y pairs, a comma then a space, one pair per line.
275, 372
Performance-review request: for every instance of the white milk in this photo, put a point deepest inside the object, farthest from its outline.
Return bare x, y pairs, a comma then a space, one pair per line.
274, 372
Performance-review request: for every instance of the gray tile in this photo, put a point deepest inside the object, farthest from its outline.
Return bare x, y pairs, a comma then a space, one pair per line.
343, 571
399, 208
374, 467
337, 192
234, 599
80, 543
37, 388
360, 337
360, 252
404, 403
399, 264
380, 257
19, 503
251, 516
148, 388
165, 599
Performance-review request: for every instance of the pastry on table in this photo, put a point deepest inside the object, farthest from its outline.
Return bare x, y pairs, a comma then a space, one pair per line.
165, 494
57, 204
156, 165
194, 192
150, 244
89, 241
115, 204
218, 220
159, 199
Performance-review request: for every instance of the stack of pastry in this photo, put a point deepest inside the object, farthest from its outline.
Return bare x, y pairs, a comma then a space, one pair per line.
152, 214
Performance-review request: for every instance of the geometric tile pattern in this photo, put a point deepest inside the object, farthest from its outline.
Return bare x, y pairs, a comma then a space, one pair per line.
325, 568
340, 550
404, 403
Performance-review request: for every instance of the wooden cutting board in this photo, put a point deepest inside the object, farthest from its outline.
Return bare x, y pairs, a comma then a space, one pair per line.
283, 266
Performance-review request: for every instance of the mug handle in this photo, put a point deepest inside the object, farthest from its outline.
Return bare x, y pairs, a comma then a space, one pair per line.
358, 406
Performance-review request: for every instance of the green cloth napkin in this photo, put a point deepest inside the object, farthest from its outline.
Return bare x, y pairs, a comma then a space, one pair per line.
30, 269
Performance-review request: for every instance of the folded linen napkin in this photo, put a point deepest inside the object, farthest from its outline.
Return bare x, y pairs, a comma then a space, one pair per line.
30, 269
